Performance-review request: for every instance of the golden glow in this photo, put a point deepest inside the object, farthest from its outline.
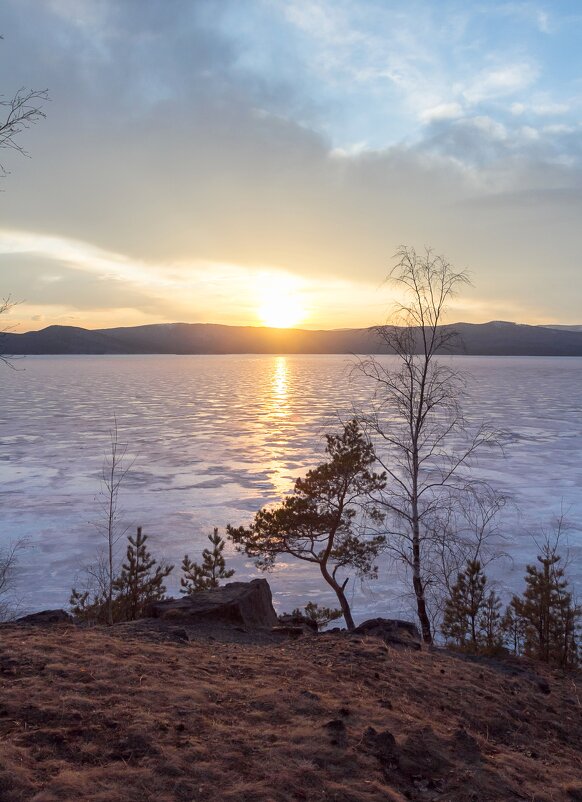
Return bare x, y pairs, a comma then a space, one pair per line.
280, 304
280, 386
278, 426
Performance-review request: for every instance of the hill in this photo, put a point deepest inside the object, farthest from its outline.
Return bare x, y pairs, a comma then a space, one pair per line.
494, 338
137, 714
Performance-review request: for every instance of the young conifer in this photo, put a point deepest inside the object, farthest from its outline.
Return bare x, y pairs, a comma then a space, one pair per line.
472, 618
321, 615
490, 628
513, 629
141, 580
463, 608
548, 615
213, 569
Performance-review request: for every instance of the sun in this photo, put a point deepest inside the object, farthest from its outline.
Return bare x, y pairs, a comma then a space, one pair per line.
280, 304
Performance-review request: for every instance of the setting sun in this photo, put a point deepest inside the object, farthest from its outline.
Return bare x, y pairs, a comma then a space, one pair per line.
280, 304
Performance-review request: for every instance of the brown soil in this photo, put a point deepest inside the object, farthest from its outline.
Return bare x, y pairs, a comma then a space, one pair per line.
135, 714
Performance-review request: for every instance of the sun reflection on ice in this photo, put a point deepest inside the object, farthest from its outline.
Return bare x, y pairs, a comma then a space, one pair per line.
280, 388
278, 413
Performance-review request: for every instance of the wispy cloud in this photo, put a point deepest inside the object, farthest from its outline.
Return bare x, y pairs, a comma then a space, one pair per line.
500, 82
187, 153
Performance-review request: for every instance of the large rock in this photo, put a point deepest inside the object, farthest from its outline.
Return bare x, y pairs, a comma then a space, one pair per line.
296, 625
247, 604
393, 631
46, 617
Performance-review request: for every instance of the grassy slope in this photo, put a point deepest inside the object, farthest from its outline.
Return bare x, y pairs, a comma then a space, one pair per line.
120, 715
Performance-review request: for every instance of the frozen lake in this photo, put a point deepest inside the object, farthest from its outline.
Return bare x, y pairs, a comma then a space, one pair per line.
216, 437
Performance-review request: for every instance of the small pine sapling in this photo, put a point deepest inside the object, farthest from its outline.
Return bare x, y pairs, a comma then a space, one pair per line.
83, 607
472, 620
513, 629
213, 569
141, 580
321, 615
549, 617
490, 628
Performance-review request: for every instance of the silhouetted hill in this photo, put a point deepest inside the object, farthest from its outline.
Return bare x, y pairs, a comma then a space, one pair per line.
495, 338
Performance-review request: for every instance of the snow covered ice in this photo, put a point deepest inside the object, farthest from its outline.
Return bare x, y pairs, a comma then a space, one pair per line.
213, 438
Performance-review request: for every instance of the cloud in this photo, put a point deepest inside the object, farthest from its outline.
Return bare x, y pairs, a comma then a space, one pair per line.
179, 160
444, 111
500, 82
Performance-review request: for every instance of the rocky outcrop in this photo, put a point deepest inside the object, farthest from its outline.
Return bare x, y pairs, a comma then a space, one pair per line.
393, 631
46, 617
295, 625
246, 604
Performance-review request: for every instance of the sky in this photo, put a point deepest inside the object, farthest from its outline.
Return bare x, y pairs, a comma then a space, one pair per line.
260, 161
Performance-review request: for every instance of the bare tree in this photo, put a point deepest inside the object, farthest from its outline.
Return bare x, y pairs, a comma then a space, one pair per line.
6, 305
466, 529
17, 114
423, 441
113, 474
8, 562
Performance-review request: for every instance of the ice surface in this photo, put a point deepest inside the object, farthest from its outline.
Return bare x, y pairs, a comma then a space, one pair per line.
215, 437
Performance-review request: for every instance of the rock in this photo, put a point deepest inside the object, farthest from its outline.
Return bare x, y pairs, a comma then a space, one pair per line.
295, 625
46, 617
466, 746
247, 604
380, 744
337, 731
392, 631
302, 621
181, 634
290, 632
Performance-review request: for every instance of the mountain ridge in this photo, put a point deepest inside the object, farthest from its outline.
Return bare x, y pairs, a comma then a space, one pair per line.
495, 338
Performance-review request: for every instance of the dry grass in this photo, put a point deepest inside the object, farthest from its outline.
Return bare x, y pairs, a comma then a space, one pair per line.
124, 716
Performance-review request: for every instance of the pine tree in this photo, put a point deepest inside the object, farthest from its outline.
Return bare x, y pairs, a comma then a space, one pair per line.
464, 606
490, 629
87, 607
324, 519
513, 628
321, 615
140, 581
549, 617
472, 618
213, 569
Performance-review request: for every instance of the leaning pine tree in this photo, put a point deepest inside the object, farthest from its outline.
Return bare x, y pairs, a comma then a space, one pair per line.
322, 520
208, 575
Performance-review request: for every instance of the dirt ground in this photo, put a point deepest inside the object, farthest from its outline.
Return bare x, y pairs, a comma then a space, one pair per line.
133, 714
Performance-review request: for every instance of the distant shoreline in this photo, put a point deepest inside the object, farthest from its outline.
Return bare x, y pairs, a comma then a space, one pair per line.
497, 338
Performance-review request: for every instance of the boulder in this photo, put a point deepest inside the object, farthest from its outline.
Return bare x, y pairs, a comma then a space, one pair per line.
393, 631
380, 744
246, 604
299, 623
46, 617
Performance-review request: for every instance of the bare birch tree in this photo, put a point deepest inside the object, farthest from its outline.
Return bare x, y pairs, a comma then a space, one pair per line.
8, 563
422, 438
113, 474
18, 113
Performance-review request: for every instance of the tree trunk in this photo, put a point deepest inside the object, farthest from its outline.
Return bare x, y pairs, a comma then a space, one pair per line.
341, 597
417, 582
